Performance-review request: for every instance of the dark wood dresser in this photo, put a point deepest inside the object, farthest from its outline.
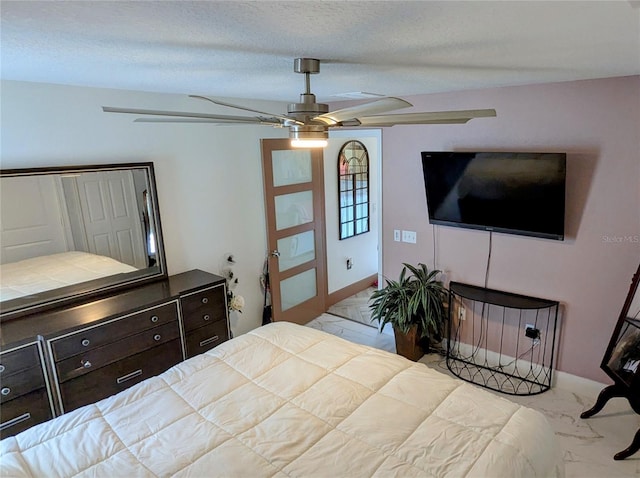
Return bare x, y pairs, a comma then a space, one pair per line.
62, 359
25, 397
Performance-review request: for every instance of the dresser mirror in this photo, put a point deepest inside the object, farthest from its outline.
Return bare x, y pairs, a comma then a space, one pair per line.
71, 232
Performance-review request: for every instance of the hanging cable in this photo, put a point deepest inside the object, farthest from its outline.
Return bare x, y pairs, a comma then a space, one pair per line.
484, 324
486, 273
433, 228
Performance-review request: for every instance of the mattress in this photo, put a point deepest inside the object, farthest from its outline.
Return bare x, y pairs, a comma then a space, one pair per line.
287, 400
39, 274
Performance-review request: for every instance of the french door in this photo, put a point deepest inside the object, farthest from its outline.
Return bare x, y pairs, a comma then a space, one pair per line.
294, 205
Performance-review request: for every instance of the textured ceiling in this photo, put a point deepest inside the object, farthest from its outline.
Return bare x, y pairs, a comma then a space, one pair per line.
246, 49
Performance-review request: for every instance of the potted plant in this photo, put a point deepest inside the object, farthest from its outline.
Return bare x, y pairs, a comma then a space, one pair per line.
414, 305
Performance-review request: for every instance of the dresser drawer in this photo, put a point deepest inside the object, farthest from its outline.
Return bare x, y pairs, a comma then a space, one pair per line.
203, 308
21, 383
105, 333
18, 359
24, 412
96, 358
114, 378
205, 338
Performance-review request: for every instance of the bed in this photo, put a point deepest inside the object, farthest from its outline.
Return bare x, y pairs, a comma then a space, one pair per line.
39, 274
287, 400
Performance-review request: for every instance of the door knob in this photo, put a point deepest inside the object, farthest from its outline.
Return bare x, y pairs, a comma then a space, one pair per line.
275, 253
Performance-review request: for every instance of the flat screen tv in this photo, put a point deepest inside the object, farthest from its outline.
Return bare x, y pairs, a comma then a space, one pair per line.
516, 193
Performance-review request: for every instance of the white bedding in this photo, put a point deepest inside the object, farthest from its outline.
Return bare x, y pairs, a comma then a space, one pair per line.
39, 274
286, 400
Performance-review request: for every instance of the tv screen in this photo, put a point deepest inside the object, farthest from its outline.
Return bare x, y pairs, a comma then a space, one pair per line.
517, 193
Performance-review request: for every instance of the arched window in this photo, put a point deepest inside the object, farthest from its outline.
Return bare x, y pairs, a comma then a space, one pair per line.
353, 189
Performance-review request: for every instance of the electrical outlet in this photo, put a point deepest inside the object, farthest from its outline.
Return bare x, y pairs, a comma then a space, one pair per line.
396, 235
462, 313
349, 263
531, 332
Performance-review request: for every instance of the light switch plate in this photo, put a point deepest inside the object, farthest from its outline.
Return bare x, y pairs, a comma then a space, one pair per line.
409, 236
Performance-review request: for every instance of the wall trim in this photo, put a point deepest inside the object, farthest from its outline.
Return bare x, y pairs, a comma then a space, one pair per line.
350, 290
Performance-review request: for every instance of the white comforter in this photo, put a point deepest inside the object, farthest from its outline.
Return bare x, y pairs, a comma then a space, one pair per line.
286, 400
39, 274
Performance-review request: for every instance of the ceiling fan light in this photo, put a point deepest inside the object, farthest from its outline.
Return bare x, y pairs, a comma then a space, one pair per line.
308, 136
308, 143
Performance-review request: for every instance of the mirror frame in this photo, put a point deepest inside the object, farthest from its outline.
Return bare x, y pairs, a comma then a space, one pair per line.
344, 165
22, 306
616, 336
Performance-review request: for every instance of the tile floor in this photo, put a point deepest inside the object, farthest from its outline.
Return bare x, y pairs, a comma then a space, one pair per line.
355, 307
589, 445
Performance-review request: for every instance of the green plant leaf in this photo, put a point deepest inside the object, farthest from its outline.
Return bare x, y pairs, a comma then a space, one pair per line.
417, 297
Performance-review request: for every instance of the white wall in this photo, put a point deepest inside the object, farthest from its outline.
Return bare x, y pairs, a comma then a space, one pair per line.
362, 249
209, 177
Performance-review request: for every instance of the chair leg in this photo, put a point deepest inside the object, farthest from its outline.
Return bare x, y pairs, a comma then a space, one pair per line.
606, 394
634, 447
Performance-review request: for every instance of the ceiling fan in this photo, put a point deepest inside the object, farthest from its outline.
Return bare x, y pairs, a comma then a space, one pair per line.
309, 122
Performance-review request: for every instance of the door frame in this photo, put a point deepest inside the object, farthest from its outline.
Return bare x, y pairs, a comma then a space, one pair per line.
369, 133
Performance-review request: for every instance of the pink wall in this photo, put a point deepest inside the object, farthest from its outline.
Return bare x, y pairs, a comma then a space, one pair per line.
597, 123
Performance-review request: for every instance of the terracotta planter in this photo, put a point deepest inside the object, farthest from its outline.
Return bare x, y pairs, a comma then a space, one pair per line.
408, 345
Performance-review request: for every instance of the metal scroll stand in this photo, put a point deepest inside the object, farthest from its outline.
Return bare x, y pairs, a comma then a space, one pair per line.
500, 340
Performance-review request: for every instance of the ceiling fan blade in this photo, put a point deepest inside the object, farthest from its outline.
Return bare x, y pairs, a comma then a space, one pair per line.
190, 120
436, 117
379, 106
182, 114
231, 105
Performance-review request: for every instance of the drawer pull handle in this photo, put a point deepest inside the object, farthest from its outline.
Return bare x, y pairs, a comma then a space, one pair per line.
206, 317
205, 300
15, 421
157, 337
1, 368
5, 391
209, 340
154, 318
85, 363
129, 376
85, 342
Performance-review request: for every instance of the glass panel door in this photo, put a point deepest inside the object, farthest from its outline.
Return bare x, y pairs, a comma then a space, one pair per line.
296, 249
294, 200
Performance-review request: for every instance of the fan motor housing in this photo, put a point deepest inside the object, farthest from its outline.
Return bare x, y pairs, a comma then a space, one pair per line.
307, 106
